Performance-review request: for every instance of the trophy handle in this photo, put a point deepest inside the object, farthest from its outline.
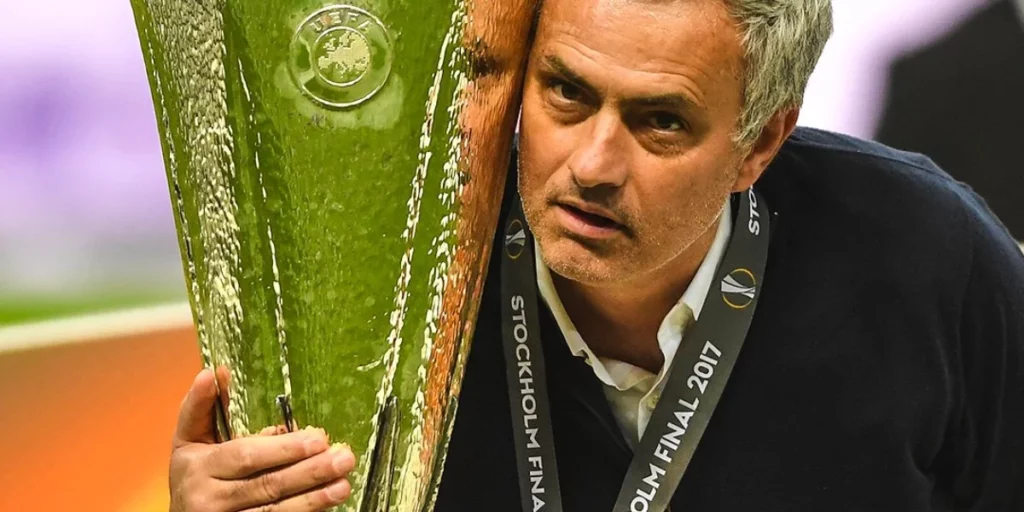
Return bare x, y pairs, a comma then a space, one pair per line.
382, 468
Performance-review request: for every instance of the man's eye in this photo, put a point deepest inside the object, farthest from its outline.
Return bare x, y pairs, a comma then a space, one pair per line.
566, 91
666, 122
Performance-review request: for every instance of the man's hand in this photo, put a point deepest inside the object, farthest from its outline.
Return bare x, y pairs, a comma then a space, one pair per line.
271, 472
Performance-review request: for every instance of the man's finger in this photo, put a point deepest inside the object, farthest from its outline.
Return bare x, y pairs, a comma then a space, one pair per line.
196, 416
312, 501
294, 480
223, 386
273, 430
243, 457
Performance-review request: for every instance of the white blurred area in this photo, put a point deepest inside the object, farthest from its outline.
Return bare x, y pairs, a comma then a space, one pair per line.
83, 200
848, 90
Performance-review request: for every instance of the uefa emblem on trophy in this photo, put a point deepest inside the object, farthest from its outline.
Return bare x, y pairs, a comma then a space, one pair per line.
341, 56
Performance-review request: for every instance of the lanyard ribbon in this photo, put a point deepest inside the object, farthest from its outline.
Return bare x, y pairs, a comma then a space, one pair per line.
696, 378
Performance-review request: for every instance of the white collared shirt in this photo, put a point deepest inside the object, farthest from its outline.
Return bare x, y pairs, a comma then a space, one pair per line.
633, 392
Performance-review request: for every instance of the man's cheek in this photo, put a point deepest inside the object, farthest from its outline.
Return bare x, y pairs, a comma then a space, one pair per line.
531, 185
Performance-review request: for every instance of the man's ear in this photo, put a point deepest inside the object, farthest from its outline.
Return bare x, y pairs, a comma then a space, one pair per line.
767, 145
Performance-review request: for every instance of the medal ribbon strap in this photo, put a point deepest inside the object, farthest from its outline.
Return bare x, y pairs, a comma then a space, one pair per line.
696, 380
701, 367
524, 362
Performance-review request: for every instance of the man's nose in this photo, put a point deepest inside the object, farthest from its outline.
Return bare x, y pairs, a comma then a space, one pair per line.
599, 159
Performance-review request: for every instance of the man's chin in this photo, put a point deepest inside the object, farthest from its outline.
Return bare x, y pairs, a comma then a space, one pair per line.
578, 262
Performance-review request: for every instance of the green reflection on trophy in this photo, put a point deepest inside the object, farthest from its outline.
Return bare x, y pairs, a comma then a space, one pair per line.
336, 174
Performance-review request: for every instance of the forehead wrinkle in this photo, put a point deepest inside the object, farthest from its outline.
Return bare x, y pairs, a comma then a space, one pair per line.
678, 81
698, 36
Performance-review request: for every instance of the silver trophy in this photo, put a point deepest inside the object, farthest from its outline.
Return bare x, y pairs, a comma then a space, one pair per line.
336, 173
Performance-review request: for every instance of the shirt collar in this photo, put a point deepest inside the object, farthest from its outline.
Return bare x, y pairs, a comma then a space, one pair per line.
623, 375
700, 286
1020, 10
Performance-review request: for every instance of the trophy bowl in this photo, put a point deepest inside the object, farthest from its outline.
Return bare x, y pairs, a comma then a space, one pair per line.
335, 171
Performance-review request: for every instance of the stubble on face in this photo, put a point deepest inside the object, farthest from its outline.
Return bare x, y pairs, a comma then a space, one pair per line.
666, 190
649, 243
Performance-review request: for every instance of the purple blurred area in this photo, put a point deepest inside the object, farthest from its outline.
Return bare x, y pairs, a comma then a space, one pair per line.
83, 200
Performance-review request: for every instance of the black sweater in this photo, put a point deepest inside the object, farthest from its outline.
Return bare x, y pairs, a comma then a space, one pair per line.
884, 370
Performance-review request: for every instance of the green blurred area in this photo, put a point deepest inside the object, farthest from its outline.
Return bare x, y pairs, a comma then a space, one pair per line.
24, 309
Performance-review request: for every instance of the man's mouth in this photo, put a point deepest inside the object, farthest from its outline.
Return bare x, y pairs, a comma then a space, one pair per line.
587, 222
591, 218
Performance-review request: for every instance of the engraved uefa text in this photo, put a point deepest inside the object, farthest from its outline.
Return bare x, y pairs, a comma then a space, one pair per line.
341, 56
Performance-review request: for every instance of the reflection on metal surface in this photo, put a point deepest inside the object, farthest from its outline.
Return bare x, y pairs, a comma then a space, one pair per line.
336, 174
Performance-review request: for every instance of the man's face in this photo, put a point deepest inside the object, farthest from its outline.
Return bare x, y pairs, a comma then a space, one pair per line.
626, 156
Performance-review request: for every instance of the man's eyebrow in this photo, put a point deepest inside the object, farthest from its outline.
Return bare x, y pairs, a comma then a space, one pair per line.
559, 66
671, 101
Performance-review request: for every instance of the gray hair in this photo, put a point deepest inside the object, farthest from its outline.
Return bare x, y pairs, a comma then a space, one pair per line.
782, 41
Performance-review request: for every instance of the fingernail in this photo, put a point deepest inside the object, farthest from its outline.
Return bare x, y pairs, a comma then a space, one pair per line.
310, 429
343, 458
313, 442
337, 492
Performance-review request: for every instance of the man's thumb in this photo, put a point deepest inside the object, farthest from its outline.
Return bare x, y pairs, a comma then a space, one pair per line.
196, 417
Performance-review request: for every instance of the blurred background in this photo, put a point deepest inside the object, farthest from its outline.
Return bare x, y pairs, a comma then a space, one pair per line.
96, 347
